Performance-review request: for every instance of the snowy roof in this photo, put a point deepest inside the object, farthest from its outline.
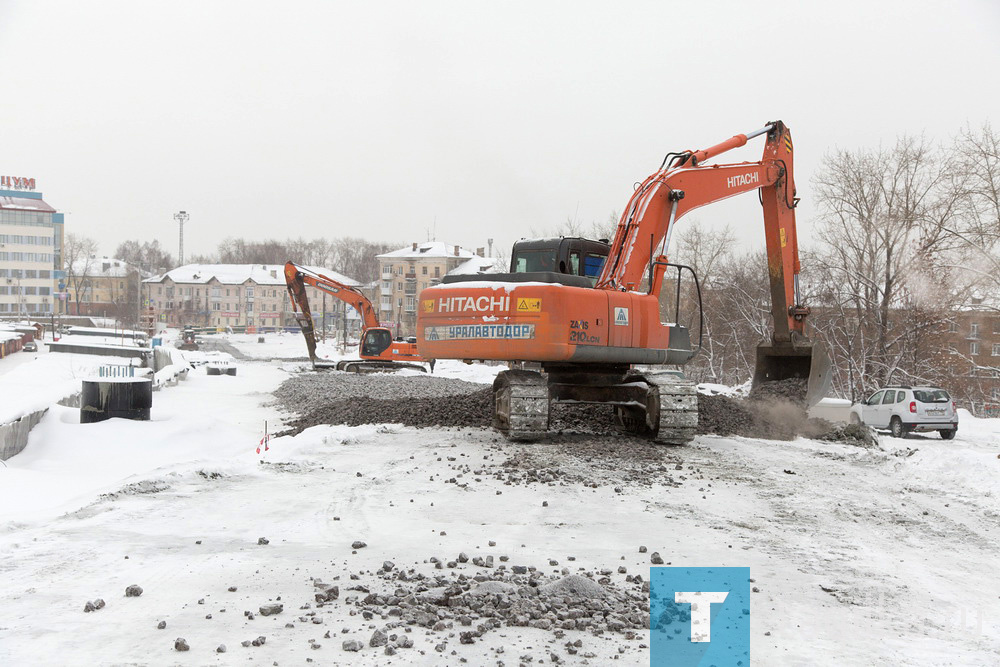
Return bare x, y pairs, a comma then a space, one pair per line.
102, 267
25, 204
429, 249
237, 274
478, 265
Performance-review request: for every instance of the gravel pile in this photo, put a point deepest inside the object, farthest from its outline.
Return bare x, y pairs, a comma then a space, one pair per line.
464, 605
858, 435
308, 391
773, 410
792, 390
471, 410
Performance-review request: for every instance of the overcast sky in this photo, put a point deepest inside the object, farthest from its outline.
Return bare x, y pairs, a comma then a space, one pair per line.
468, 120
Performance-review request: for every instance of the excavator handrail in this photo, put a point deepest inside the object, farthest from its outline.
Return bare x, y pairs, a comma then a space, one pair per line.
677, 302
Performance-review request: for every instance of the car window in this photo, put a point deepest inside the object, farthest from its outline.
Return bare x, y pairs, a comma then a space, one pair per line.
931, 395
876, 398
900, 395
889, 398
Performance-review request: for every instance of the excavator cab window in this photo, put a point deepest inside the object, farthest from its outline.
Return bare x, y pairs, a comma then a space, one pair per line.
529, 261
376, 342
571, 256
592, 265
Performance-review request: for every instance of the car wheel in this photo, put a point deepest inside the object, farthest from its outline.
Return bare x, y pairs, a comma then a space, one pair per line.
947, 433
855, 419
896, 427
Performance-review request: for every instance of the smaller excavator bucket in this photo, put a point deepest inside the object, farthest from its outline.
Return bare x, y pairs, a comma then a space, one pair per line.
803, 360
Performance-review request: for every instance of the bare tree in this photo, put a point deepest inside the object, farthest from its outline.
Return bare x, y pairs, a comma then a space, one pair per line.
882, 259
80, 257
147, 256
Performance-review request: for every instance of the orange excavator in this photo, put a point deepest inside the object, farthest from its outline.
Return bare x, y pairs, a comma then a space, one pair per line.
589, 313
378, 351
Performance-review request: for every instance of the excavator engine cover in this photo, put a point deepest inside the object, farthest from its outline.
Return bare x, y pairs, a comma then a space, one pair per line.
798, 359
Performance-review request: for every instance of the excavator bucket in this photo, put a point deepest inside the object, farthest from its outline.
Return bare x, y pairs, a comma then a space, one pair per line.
802, 360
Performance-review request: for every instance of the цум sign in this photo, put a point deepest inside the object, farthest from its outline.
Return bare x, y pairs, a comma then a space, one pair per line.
17, 183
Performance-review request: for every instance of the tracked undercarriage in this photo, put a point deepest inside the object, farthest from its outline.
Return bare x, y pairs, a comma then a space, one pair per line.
368, 366
659, 405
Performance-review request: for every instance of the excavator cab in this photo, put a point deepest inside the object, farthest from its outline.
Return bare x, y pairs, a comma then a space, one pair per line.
375, 341
572, 256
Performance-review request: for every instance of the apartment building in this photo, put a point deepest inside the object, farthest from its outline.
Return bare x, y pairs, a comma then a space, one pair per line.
404, 272
238, 295
974, 350
104, 287
31, 239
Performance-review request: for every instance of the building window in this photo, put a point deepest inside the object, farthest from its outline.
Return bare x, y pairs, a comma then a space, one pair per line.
424, 270
249, 292
974, 348
974, 330
437, 271
386, 302
996, 349
249, 306
411, 304
399, 286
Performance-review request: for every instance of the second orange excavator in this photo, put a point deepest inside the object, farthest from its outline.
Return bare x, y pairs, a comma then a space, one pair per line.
378, 351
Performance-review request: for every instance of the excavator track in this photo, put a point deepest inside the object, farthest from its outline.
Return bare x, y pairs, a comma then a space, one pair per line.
670, 413
366, 366
521, 405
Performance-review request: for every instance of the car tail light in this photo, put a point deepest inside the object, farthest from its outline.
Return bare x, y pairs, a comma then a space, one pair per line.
953, 408
913, 406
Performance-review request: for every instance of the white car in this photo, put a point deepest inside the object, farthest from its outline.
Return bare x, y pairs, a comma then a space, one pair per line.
904, 409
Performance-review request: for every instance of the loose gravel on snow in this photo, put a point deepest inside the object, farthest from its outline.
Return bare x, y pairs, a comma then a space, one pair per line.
773, 411
470, 600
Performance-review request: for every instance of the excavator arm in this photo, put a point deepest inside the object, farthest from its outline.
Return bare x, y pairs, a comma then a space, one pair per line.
684, 184
297, 277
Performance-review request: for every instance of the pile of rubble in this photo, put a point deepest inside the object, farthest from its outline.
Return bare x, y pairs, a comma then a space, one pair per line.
773, 411
497, 595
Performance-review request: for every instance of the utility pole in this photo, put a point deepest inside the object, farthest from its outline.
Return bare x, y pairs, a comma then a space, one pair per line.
181, 217
324, 317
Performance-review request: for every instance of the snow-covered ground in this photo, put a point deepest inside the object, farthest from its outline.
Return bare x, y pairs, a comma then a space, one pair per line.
860, 556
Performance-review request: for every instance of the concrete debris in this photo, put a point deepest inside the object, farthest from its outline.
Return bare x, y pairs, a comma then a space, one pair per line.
133, 591
180, 644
